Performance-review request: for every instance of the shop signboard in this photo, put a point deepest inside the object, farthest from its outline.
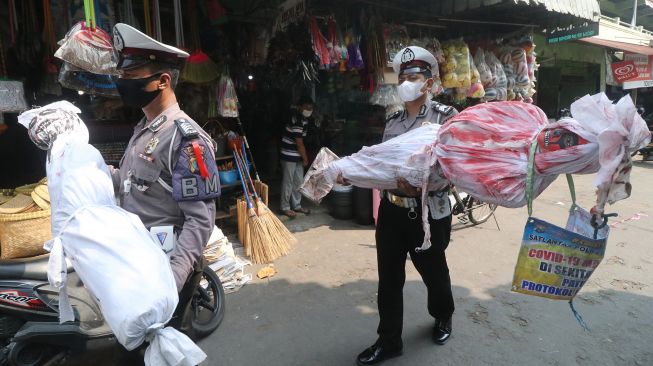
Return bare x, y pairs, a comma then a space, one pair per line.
644, 66
291, 11
624, 70
571, 32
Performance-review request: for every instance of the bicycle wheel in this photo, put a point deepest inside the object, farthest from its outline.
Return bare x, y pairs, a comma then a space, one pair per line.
479, 211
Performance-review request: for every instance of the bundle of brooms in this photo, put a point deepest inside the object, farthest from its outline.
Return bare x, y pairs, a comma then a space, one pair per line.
265, 237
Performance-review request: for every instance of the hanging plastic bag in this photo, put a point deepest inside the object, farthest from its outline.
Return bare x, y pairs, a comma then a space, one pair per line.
509, 70
319, 44
497, 70
75, 78
89, 49
110, 249
488, 79
227, 98
386, 95
433, 45
475, 90
355, 60
12, 96
396, 39
457, 72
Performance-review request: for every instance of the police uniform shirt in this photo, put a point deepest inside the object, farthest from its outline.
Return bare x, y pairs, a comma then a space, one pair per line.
144, 183
432, 112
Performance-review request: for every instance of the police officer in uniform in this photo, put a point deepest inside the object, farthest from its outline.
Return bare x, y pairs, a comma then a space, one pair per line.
399, 227
168, 175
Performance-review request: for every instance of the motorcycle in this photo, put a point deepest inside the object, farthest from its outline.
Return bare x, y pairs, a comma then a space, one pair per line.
30, 333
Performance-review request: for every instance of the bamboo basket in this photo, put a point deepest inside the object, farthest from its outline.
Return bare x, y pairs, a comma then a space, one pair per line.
23, 235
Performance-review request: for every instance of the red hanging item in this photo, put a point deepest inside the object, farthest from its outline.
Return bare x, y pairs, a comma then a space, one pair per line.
319, 43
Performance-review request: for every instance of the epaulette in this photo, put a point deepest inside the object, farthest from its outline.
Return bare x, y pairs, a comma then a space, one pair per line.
392, 116
186, 128
442, 109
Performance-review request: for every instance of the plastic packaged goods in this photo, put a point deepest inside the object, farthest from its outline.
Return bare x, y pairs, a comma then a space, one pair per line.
396, 38
488, 79
88, 49
433, 46
497, 70
476, 90
111, 250
456, 71
509, 69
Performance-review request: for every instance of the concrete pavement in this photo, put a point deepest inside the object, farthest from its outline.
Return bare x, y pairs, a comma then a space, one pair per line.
320, 309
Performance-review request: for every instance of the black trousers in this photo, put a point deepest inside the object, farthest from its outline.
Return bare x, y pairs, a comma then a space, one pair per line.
396, 235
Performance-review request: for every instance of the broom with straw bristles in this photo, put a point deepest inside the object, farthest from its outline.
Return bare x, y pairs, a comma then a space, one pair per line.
282, 238
256, 235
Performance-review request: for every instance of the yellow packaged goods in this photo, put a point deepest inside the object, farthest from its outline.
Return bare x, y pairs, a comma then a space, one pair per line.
23, 234
456, 69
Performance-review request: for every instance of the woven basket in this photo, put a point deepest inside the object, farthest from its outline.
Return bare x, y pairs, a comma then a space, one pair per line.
23, 235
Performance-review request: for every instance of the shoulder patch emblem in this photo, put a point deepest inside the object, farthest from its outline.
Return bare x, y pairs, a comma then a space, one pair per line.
443, 109
186, 128
392, 116
422, 111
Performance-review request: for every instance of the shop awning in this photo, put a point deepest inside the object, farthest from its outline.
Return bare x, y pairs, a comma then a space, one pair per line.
578, 9
642, 50
584, 9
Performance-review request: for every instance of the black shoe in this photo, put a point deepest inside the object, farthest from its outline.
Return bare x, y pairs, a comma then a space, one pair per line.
442, 331
377, 354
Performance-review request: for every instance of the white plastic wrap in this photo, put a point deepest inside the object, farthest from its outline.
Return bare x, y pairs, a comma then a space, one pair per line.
379, 166
112, 252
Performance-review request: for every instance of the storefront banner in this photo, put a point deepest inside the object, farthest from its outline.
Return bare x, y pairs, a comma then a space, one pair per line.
291, 11
572, 32
644, 66
554, 262
624, 70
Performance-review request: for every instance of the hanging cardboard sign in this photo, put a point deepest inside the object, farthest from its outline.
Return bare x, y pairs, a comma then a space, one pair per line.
644, 66
291, 11
624, 70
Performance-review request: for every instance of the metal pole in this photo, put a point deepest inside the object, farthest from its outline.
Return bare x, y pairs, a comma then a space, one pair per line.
633, 23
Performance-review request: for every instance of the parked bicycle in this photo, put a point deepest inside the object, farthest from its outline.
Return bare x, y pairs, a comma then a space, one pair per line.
470, 209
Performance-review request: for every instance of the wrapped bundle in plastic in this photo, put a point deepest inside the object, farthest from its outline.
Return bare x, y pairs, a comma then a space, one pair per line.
110, 249
485, 149
406, 156
89, 49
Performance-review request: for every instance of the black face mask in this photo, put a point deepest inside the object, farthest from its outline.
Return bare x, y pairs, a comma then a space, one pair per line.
132, 93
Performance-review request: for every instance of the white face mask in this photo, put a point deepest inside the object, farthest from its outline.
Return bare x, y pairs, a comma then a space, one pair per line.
307, 113
410, 90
